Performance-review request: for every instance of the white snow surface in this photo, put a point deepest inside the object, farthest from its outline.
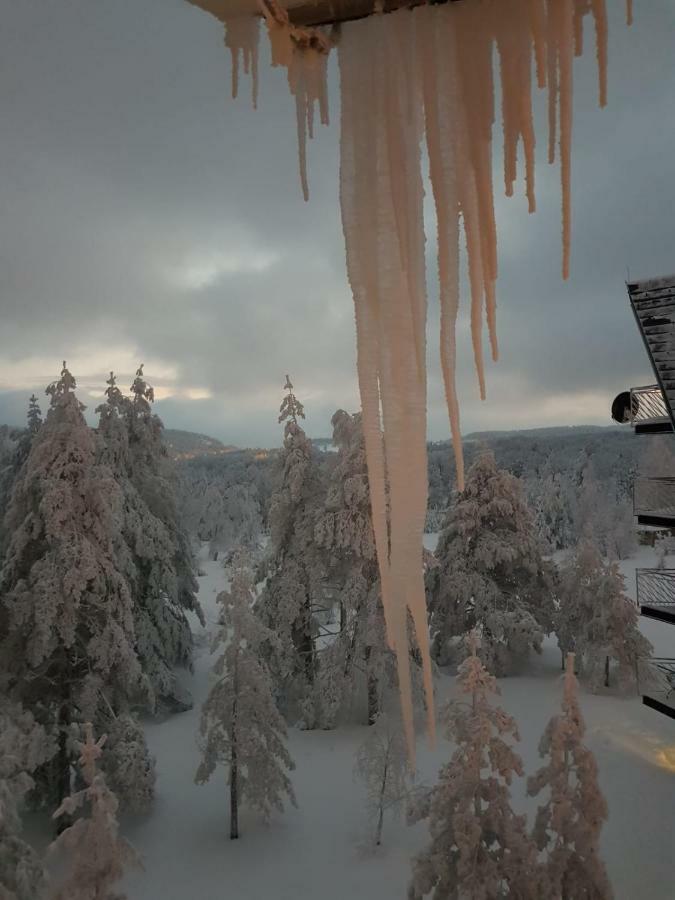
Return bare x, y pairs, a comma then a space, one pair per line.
320, 852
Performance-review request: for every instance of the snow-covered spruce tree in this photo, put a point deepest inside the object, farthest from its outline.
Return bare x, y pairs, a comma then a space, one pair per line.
99, 856
603, 511
293, 572
358, 659
597, 620
67, 649
153, 477
382, 765
491, 574
24, 746
14, 450
34, 415
568, 824
145, 552
552, 507
240, 725
234, 518
479, 846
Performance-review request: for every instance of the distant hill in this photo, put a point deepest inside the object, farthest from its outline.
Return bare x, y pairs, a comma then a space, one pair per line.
189, 444
550, 432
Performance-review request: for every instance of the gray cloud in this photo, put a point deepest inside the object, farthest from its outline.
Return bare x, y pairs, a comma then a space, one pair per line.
146, 216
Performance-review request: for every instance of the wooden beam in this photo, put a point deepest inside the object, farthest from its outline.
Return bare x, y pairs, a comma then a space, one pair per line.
333, 12
311, 12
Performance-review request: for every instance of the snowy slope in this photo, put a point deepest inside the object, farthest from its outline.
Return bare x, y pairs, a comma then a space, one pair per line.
317, 852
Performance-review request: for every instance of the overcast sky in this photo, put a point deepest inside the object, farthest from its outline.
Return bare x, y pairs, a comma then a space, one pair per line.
145, 216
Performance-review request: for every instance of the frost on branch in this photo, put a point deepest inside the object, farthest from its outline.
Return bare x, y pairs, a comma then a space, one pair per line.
568, 823
479, 847
598, 621
67, 650
98, 856
24, 747
491, 573
286, 602
34, 415
151, 551
382, 765
153, 477
240, 725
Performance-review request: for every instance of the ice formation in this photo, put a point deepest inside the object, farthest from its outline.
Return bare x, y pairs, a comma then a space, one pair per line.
413, 75
304, 53
241, 37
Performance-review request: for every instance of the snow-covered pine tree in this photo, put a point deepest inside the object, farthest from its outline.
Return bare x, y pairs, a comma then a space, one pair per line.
491, 574
240, 725
359, 658
382, 765
24, 746
67, 649
597, 620
152, 475
479, 846
293, 572
602, 512
234, 518
568, 824
34, 415
99, 856
14, 450
553, 509
145, 552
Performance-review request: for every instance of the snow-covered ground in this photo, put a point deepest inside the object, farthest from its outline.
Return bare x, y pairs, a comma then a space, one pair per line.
319, 852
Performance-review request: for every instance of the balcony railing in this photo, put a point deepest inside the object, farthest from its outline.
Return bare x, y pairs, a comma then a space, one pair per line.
656, 593
648, 407
657, 683
654, 501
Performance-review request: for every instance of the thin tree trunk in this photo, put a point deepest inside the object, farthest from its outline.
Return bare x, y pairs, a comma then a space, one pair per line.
562, 662
63, 759
234, 767
305, 642
371, 681
607, 671
234, 799
380, 818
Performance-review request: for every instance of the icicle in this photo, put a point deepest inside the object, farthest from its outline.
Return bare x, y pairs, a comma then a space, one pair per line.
442, 117
405, 74
242, 34
538, 29
304, 53
552, 78
600, 16
381, 195
566, 32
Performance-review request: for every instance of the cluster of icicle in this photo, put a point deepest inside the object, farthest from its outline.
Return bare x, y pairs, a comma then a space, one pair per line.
427, 74
302, 51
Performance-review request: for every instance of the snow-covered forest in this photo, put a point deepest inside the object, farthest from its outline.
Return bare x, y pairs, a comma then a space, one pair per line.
217, 620
266, 636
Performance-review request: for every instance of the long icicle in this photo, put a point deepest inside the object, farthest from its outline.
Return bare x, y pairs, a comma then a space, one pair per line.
566, 25
439, 58
441, 117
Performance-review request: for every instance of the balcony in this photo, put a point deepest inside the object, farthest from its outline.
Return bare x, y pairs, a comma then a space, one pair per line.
648, 412
654, 501
657, 679
656, 593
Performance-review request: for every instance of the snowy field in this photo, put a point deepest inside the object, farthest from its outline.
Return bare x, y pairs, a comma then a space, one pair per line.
320, 850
